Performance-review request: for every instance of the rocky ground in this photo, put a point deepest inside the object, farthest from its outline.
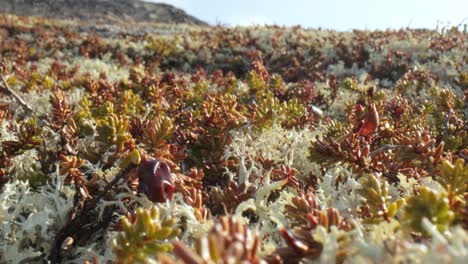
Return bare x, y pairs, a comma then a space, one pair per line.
100, 11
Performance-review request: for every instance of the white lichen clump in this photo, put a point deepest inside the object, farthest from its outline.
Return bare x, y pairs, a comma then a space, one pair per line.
30, 219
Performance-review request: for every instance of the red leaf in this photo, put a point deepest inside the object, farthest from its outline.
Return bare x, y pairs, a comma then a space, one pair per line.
371, 121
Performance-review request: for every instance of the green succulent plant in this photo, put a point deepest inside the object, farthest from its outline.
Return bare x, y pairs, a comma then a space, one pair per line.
256, 83
428, 204
113, 130
453, 176
270, 109
29, 136
130, 104
335, 128
351, 84
376, 196
276, 83
82, 115
445, 99
134, 157
144, 236
104, 110
198, 92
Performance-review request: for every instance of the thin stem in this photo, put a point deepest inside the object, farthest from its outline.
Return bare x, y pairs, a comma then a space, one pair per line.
384, 148
4, 85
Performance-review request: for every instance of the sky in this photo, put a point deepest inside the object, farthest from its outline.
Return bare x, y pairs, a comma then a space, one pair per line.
329, 14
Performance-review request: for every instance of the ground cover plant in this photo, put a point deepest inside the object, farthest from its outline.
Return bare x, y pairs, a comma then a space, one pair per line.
185, 144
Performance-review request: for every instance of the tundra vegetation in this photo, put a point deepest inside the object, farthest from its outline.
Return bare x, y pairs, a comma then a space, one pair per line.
194, 144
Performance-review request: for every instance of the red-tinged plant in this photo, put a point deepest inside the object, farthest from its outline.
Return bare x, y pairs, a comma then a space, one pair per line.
306, 212
228, 197
188, 184
61, 120
228, 241
397, 108
29, 137
195, 199
369, 123
419, 148
93, 47
171, 154
353, 150
59, 71
69, 166
298, 246
286, 172
300, 207
157, 132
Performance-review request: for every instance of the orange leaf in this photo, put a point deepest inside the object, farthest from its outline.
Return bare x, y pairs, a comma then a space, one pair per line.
371, 121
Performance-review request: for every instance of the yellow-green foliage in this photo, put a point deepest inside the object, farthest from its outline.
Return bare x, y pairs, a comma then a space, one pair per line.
335, 128
29, 136
82, 116
292, 111
446, 98
31, 133
463, 79
38, 80
453, 177
104, 110
113, 130
198, 92
351, 84
375, 193
157, 132
162, 46
35, 177
428, 204
134, 157
276, 83
130, 104
85, 111
231, 85
144, 236
255, 82
270, 109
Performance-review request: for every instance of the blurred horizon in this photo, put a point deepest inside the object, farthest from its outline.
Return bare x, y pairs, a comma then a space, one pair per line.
331, 14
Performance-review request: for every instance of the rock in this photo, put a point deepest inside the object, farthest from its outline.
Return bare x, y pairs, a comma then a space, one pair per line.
105, 11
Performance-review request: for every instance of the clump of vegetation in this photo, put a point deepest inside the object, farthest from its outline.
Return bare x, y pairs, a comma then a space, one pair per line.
431, 205
144, 235
228, 240
253, 145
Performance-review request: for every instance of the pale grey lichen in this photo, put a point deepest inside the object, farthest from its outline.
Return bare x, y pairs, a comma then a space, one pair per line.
30, 220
